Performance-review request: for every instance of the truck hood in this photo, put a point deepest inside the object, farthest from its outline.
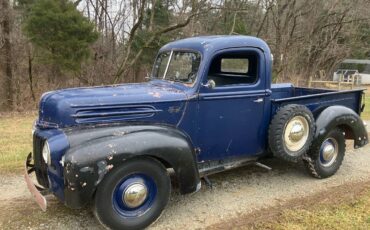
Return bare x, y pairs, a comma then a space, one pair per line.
159, 102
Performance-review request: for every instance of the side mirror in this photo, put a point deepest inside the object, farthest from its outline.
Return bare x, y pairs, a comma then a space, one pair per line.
210, 84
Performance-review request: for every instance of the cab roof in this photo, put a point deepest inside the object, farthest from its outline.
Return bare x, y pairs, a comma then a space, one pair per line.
210, 44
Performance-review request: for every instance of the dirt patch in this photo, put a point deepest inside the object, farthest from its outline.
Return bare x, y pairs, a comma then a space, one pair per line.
338, 195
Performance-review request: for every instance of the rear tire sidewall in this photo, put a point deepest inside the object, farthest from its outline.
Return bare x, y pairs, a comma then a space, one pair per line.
104, 208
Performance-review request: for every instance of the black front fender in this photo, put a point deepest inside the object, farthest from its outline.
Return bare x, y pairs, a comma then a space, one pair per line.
96, 151
344, 118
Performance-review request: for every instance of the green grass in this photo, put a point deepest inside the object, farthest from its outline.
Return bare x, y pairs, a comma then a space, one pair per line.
347, 215
15, 141
366, 114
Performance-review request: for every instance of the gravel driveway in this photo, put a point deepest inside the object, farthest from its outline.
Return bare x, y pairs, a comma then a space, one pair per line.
234, 193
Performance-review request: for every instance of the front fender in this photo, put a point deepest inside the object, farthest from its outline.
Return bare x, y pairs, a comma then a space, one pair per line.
96, 151
344, 118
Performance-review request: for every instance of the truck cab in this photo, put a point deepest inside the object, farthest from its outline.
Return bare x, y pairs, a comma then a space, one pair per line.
209, 106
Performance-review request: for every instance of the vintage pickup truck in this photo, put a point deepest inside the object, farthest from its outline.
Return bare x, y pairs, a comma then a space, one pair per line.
209, 106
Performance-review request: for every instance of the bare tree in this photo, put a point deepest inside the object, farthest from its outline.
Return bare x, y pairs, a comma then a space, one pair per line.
6, 53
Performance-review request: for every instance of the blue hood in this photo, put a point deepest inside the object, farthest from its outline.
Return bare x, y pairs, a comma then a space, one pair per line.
158, 102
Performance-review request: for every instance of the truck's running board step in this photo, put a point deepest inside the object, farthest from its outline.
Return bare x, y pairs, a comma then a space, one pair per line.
212, 167
263, 166
208, 182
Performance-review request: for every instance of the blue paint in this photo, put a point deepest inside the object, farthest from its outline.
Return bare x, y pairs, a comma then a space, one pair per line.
58, 145
120, 206
221, 122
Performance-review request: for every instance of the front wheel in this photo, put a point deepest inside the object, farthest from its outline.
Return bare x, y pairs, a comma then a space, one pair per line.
326, 154
133, 195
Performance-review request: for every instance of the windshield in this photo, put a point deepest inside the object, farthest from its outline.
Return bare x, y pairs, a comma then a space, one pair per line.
179, 66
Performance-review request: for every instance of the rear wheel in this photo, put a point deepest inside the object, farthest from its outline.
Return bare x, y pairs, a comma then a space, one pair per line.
326, 154
133, 195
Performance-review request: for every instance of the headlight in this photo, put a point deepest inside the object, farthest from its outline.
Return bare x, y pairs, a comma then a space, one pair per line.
33, 127
46, 153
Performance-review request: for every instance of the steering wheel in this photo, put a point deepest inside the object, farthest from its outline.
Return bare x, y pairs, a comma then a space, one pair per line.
191, 77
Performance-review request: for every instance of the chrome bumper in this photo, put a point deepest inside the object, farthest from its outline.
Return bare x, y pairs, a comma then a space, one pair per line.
36, 191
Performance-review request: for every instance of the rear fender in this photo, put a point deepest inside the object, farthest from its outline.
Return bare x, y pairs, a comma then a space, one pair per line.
96, 151
344, 118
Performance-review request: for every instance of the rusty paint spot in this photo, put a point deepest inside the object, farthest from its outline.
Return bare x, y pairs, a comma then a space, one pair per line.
174, 109
155, 94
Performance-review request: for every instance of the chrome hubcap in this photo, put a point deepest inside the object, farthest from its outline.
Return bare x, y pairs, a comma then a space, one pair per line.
135, 195
296, 133
328, 152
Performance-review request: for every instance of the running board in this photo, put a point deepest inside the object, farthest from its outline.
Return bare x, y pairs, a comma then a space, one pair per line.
212, 167
263, 166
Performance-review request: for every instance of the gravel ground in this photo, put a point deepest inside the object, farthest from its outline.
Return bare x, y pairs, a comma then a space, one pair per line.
234, 193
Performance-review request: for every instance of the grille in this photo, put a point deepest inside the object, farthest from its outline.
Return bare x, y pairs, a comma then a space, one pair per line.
40, 165
91, 114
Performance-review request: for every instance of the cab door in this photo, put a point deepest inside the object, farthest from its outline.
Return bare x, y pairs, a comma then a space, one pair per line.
231, 106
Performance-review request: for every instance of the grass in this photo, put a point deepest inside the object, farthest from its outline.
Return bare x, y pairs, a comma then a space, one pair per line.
366, 114
15, 141
348, 215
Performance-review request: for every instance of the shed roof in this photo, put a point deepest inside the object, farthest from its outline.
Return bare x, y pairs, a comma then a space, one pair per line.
356, 61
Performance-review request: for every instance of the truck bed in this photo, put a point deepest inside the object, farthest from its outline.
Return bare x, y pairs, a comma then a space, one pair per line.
314, 98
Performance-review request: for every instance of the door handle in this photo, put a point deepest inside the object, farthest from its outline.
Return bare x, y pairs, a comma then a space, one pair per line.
259, 100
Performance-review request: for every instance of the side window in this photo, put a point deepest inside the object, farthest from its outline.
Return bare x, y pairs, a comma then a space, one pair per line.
234, 68
234, 65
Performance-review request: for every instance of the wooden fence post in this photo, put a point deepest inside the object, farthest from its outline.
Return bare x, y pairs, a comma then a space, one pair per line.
339, 80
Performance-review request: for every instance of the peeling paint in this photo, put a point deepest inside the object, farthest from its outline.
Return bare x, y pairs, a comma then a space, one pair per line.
87, 169
109, 167
119, 133
155, 94
103, 169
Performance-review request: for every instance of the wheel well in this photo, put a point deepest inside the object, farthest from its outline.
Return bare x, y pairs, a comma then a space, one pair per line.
347, 130
163, 162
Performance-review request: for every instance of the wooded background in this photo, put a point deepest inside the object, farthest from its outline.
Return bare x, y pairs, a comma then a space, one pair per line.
52, 44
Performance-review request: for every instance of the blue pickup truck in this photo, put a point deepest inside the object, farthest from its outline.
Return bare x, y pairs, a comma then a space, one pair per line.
209, 106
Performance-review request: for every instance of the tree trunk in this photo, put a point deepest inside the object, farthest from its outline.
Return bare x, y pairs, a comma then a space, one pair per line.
30, 72
6, 55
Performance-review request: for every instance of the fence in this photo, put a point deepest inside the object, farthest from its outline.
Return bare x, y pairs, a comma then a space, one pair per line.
350, 80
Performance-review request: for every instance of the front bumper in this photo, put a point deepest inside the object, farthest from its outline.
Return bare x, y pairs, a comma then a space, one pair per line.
36, 191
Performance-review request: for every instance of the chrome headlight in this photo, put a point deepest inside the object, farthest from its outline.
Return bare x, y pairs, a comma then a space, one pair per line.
46, 153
